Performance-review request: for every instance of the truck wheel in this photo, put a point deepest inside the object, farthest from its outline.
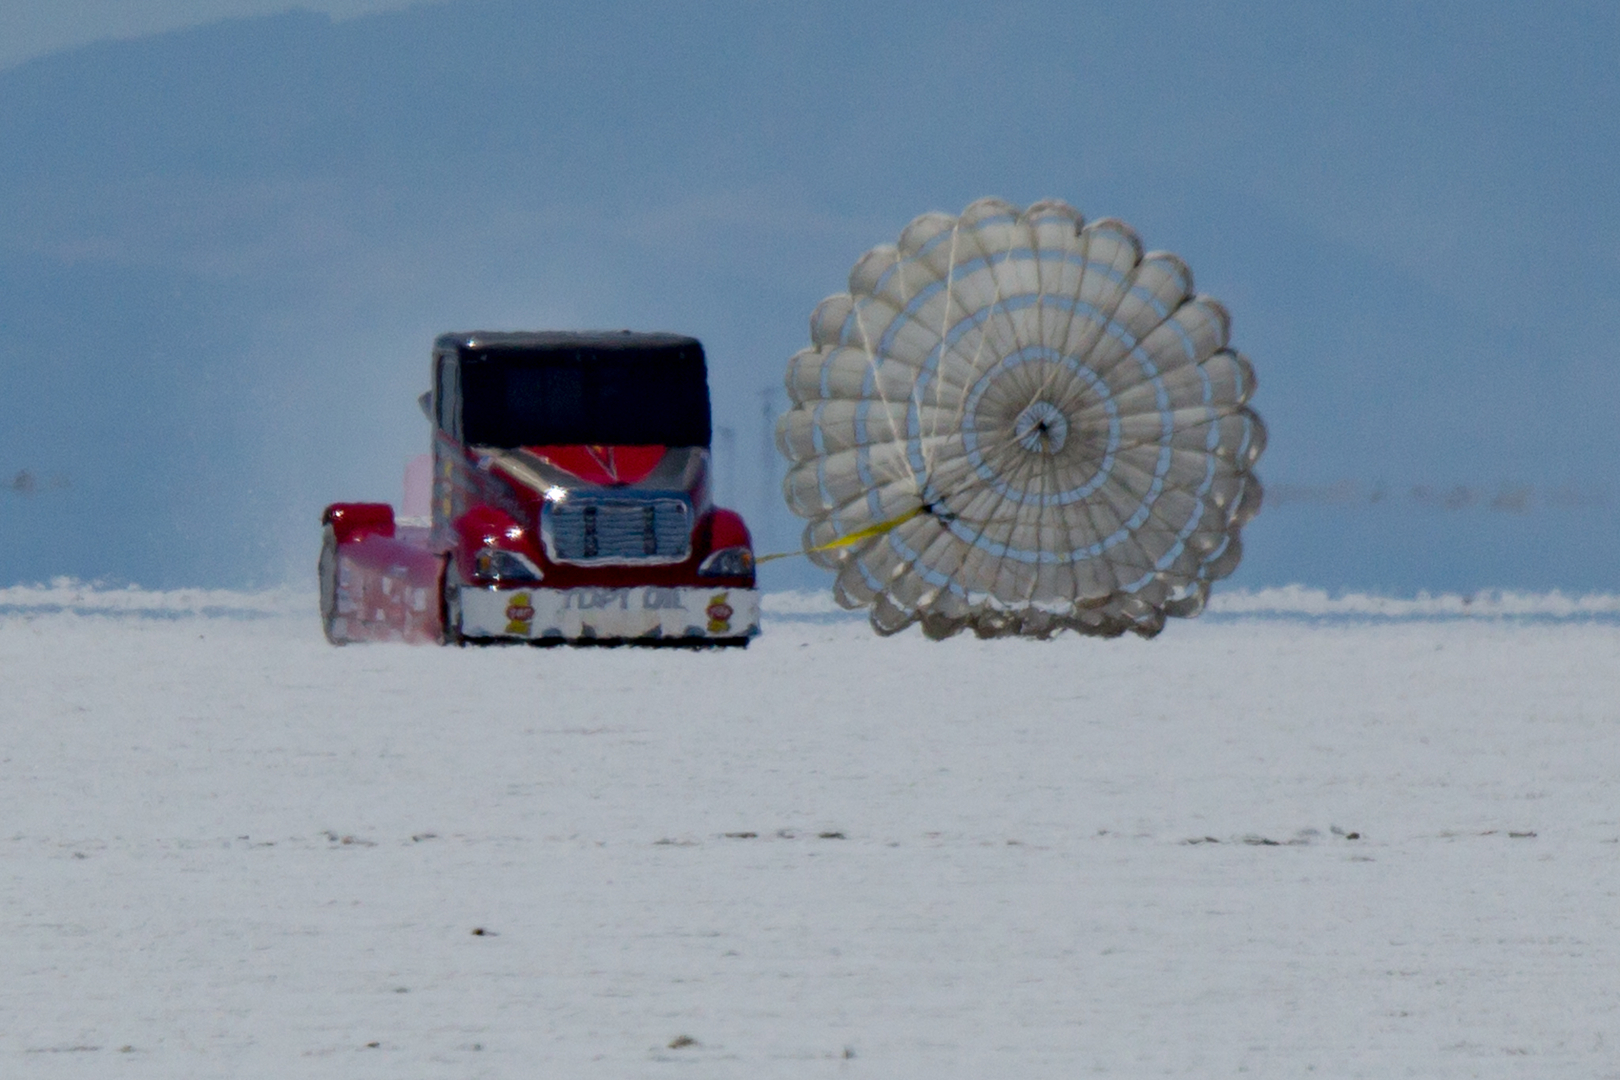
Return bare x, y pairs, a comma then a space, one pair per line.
450, 604
326, 570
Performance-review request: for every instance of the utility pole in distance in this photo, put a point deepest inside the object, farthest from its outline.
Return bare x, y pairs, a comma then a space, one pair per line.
769, 483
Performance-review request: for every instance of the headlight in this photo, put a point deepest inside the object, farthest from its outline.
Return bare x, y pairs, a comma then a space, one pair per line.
728, 562
494, 564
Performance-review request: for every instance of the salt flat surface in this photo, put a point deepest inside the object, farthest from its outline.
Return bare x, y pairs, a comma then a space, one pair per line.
228, 849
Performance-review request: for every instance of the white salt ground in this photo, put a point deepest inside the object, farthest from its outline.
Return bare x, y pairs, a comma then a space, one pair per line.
230, 850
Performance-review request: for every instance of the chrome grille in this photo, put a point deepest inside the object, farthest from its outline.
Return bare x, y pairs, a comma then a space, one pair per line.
585, 529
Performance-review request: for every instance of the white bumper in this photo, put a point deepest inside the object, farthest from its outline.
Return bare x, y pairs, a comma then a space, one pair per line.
643, 611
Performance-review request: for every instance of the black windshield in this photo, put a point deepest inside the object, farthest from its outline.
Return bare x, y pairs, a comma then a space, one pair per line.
623, 397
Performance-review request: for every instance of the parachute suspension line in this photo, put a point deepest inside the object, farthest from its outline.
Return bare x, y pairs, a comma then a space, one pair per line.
928, 438
928, 445
874, 366
1101, 328
1107, 317
979, 320
1050, 477
906, 297
1002, 497
1045, 465
1007, 266
1018, 345
1061, 527
1104, 319
1068, 325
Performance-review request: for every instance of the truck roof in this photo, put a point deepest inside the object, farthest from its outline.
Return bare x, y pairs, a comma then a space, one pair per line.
561, 340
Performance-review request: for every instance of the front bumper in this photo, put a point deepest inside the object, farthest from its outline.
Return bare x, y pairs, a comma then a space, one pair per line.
641, 612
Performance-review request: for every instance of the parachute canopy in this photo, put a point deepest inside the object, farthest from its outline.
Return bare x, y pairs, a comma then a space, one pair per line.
1015, 422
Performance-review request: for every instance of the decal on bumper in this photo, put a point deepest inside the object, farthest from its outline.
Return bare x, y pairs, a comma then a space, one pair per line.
641, 611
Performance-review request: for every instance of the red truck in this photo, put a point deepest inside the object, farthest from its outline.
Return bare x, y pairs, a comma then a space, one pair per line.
572, 503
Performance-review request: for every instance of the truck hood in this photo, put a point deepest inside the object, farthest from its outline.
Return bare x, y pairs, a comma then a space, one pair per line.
572, 468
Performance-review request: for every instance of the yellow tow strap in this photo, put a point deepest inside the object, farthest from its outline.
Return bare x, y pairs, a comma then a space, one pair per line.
853, 538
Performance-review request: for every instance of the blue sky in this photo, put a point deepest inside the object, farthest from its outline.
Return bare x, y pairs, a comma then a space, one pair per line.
225, 246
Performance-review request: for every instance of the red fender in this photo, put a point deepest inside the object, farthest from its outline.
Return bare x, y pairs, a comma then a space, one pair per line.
726, 529
356, 521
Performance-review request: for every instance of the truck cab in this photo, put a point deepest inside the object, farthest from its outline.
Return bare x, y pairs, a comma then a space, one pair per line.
572, 502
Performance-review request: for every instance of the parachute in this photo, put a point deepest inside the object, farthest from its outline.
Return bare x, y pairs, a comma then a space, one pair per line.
1017, 423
